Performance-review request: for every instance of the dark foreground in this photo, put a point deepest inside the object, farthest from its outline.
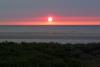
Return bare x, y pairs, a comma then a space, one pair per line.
49, 55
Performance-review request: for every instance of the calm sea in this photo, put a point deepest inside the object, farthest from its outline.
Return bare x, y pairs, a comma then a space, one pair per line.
61, 34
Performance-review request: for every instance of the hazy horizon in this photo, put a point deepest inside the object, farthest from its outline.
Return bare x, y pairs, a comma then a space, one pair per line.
36, 12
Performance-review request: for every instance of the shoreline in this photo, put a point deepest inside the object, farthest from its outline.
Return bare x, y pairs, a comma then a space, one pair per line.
47, 41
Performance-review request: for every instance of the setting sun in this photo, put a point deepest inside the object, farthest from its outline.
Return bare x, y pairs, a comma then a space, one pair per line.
50, 19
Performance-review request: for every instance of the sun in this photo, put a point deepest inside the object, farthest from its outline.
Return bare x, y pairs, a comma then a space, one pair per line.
50, 19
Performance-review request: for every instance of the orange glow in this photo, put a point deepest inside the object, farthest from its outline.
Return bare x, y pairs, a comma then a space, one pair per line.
53, 21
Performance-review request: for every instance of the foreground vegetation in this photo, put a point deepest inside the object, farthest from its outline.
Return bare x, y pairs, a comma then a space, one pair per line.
49, 55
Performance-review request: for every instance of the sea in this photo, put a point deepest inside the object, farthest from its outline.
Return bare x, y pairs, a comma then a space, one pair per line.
50, 33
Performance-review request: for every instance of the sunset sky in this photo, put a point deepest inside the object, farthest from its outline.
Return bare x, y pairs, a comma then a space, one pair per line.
36, 12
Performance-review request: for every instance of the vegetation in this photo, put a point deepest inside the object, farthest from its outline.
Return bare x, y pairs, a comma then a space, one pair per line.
49, 54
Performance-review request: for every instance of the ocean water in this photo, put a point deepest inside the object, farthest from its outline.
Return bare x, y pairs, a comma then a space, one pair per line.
61, 34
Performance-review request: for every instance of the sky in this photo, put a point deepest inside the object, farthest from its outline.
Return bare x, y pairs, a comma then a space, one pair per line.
36, 12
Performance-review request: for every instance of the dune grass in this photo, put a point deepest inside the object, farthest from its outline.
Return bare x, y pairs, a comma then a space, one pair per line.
49, 54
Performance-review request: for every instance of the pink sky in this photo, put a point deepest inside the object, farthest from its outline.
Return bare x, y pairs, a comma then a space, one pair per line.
57, 21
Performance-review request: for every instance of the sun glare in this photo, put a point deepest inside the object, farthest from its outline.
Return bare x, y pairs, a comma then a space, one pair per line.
50, 19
